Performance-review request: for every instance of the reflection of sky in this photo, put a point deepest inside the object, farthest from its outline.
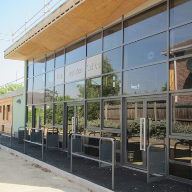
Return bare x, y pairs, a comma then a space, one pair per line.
96, 81
30, 71
114, 57
39, 82
50, 65
72, 90
49, 79
145, 51
145, 80
39, 68
180, 34
76, 55
94, 47
30, 84
146, 27
181, 13
59, 90
59, 61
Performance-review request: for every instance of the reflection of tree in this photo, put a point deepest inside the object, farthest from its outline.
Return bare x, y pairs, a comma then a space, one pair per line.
59, 114
57, 97
49, 114
29, 120
93, 88
48, 95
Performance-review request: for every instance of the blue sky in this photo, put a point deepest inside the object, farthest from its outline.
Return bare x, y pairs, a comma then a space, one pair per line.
13, 15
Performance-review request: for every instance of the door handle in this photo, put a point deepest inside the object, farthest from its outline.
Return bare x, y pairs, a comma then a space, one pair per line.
143, 134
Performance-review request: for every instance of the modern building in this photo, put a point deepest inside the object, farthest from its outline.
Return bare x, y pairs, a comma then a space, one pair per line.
114, 65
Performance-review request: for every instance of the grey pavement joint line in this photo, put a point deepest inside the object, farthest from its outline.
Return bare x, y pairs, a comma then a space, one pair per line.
87, 184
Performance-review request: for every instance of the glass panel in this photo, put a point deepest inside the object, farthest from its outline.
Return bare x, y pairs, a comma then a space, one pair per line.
112, 85
180, 150
80, 119
180, 171
29, 98
39, 114
93, 87
146, 23
180, 74
39, 82
59, 93
59, 114
49, 95
59, 59
180, 11
50, 62
30, 85
70, 124
30, 71
156, 114
39, 67
145, 80
146, 51
49, 79
94, 44
38, 96
112, 60
49, 114
112, 114
112, 36
59, 76
134, 113
29, 114
93, 114
74, 91
182, 114
181, 41
75, 52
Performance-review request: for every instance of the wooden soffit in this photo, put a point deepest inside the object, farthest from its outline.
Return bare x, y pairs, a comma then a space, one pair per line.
70, 22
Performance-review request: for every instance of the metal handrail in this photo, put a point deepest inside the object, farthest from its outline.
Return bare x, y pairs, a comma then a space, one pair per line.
148, 160
5, 134
41, 144
113, 163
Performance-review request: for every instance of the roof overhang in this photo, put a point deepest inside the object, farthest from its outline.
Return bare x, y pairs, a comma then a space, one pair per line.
71, 21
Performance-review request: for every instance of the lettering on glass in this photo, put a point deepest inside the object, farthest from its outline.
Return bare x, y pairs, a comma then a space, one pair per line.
75, 71
59, 76
93, 66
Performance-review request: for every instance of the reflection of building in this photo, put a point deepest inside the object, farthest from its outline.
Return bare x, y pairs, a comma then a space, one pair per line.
88, 67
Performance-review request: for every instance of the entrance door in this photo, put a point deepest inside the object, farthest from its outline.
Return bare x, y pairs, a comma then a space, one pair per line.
146, 124
75, 119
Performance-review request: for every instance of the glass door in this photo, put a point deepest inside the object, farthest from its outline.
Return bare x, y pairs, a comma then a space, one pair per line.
146, 124
75, 119
39, 116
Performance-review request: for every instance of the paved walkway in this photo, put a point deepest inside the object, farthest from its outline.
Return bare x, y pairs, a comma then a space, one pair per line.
18, 175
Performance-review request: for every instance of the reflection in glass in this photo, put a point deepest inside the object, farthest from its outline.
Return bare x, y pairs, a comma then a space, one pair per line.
59, 114
38, 96
112, 85
156, 113
75, 52
29, 114
49, 95
112, 36
93, 87
182, 114
80, 119
59, 93
70, 115
180, 74
93, 114
134, 113
49, 79
39, 82
181, 41
146, 51
39, 116
29, 98
112, 60
30, 71
74, 91
59, 59
50, 62
182, 171
112, 114
94, 44
145, 80
59, 76
49, 114
39, 67
146, 23
30, 85
180, 11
